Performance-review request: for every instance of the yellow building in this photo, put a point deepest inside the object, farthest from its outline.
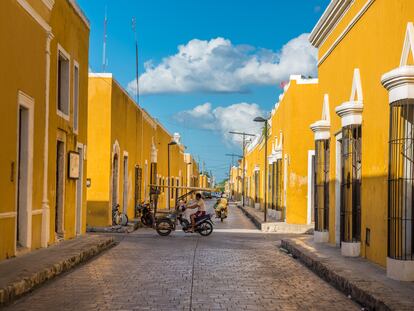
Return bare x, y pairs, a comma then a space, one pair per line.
128, 152
235, 183
368, 157
290, 156
204, 181
44, 91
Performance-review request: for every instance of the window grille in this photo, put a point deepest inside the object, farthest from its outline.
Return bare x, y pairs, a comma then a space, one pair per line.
272, 183
351, 184
279, 185
401, 181
321, 185
256, 186
138, 182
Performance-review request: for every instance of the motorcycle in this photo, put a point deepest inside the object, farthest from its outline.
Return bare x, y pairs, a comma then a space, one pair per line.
147, 217
165, 225
220, 208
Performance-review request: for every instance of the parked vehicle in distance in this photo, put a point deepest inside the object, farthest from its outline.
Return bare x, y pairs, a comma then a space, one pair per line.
216, 195
207, 195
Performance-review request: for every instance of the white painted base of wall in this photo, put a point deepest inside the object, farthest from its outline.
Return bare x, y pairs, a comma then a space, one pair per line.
401, 270
350, 249
283, 227
321, 236
257, 205
272, 213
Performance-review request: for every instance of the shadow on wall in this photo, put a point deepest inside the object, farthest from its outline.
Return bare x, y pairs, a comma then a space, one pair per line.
98, 214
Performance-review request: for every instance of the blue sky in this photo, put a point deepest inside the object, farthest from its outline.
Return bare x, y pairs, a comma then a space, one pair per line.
232, 58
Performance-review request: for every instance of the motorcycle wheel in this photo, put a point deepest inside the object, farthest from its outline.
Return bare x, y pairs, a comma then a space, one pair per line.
222, 218
164, 227
205, 228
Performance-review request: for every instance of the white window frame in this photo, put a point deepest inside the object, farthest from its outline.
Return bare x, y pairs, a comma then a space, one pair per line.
61, 50
76, 85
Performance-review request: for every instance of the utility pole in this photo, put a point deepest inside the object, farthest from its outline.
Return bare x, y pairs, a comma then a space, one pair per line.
232, 155
134, 29
244, 135
104, 60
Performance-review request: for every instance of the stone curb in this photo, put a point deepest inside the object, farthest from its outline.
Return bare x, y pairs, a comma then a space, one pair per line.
360, 295
257, 222
18, 288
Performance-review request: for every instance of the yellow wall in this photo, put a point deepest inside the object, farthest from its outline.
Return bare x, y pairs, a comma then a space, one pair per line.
116, 120
299, 106
24, 69
374, 46
72, 34
23, 66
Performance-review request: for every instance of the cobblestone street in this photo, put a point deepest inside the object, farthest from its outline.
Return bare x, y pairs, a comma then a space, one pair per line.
236, 268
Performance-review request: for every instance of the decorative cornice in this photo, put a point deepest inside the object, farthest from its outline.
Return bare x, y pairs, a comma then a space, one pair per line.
347, 29
350, 112
36, 16
49, 4
329, 19
400, 81
322, 127
79, 11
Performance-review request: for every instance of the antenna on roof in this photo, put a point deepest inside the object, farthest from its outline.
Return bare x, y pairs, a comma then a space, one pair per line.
134, 29
104, 59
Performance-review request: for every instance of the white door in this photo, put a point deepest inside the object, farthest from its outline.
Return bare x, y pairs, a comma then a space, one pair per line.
79, 193
23, 177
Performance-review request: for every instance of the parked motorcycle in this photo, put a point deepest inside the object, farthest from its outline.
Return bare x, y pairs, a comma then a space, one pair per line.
165, 225
147, 217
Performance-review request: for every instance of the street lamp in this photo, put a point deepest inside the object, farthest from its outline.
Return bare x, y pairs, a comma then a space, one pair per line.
263, 120
169, 178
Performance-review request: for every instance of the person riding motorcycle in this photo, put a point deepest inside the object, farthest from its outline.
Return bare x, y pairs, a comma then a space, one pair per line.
201, 211
221, 205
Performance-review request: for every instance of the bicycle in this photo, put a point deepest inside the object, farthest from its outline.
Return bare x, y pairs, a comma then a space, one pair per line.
118, 218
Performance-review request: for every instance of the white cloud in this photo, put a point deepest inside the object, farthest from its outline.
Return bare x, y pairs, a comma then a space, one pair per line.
219, 66
235, 117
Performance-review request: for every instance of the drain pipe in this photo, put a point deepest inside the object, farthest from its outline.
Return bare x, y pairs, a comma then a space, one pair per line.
45, 201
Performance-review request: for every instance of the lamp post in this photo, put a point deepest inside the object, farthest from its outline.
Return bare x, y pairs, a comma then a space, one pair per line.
169, 178
260, 119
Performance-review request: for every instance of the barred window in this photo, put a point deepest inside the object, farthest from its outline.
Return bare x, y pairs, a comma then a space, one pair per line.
351, 184
279, 185
321, 185
256, 186
401, 181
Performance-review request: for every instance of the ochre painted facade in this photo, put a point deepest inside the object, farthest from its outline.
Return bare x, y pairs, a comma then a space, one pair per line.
289, 145
125, 143
373, 45
29, 93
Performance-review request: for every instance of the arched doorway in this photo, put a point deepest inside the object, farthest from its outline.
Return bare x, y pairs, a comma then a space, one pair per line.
115, 179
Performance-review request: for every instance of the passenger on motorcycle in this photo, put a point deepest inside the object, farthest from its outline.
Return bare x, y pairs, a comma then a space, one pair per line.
199, 203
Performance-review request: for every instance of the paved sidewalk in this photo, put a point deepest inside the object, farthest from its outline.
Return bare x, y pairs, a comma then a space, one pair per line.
364, 281
22, 274
273, 225
255, 215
